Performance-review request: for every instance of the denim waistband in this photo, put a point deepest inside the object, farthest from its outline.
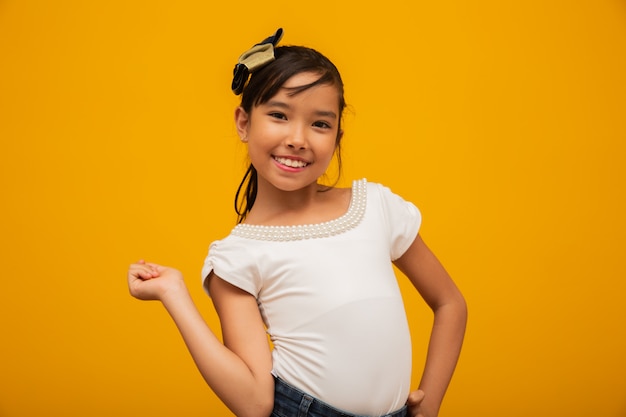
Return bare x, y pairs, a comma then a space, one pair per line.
289, 401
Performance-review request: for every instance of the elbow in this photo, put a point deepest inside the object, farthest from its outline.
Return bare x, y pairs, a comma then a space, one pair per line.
265, 408
259, 407
265, 402
460, 306
258, 410
461, 312
454, 307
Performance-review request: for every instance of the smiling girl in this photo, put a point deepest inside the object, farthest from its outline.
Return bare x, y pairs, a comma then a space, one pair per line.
310, 265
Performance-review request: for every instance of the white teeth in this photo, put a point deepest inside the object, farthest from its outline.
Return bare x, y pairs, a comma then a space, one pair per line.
291, 162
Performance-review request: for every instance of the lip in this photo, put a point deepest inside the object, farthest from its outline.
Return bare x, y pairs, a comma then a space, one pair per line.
288, 168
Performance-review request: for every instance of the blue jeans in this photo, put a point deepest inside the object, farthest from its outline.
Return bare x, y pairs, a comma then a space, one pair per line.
291, 402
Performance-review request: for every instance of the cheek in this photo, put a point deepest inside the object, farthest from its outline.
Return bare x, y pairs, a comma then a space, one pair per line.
267, 132
330, 150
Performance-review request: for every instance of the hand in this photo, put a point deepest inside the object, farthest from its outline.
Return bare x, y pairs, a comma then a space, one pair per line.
415, 404
149, 281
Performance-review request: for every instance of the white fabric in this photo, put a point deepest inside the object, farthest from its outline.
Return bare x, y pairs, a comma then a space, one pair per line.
332, 305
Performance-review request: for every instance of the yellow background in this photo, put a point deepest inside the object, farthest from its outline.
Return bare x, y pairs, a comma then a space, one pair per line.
503, 121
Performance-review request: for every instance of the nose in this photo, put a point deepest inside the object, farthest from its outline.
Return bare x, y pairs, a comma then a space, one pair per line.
296, 139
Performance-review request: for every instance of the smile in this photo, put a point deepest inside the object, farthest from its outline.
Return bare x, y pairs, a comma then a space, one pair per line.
293, 163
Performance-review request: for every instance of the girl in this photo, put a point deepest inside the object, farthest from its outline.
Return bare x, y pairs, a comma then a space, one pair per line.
311, 266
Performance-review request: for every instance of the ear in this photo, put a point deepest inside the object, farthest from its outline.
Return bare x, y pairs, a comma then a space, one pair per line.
241, 123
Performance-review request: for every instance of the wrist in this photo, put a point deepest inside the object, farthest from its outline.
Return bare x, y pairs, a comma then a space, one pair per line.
175, 292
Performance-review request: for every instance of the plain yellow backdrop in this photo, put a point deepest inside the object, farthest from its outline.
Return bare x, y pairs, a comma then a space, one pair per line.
503, 121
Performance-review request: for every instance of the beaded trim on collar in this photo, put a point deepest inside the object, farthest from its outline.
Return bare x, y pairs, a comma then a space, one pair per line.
342, 224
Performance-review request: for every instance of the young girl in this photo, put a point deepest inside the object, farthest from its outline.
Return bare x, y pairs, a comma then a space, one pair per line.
311, 266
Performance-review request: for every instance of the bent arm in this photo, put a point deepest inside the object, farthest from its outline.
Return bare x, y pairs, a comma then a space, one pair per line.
434, 284
241, 377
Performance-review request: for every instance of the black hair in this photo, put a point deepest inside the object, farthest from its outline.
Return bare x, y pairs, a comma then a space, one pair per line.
265, 84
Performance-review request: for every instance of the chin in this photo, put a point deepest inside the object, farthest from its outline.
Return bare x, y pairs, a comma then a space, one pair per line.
288, 185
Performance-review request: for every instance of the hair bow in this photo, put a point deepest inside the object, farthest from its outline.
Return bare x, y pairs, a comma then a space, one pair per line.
254, 58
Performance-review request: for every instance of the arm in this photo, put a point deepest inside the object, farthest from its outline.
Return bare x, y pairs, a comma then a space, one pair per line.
238, 371
434, 284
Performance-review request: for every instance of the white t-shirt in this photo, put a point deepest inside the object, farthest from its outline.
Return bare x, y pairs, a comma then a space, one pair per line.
330, 300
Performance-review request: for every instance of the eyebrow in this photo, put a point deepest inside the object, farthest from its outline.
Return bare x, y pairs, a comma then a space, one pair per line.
283, 105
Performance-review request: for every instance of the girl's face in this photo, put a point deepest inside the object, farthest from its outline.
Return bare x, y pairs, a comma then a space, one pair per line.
292, 138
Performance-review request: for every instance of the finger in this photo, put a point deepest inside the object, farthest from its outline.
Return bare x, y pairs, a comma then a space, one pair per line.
415, 397
152, 266
142, 271
156, 268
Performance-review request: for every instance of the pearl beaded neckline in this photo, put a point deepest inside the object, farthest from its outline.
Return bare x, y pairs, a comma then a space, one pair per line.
342, 224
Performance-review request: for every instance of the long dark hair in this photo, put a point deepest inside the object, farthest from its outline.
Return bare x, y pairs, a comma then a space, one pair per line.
265, 84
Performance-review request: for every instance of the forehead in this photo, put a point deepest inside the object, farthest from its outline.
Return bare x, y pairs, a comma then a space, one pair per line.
296, 88
301, 79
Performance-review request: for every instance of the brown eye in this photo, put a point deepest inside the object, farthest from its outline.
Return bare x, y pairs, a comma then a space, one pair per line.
322, 125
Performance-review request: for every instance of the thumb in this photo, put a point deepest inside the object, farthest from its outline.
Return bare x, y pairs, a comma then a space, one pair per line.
415, 397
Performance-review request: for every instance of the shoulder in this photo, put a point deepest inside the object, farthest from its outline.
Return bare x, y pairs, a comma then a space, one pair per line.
381, 199
232, 259
231, 247
380, 191
372, 193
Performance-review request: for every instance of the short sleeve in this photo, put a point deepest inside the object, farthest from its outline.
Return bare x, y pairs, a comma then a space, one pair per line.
230, 262
403, 220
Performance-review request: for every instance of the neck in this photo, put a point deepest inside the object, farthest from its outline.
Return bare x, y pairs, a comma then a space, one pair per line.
272, 204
